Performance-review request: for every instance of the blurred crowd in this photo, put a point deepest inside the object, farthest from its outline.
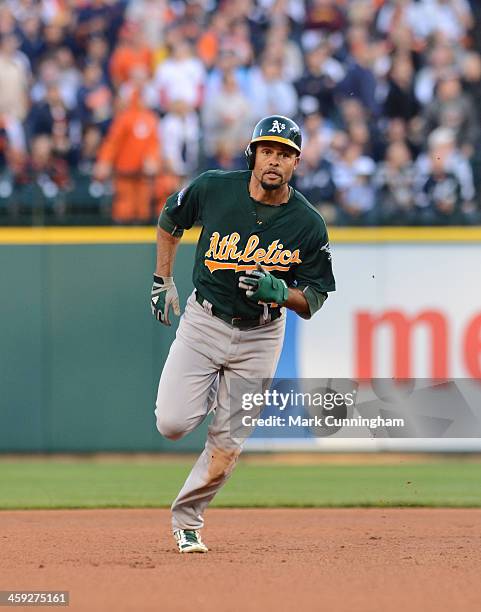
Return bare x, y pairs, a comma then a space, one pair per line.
107, 106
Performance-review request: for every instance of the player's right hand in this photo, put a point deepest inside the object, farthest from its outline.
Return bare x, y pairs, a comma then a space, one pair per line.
164, 295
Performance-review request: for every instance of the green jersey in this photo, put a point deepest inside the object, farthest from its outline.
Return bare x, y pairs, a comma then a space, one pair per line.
291, 242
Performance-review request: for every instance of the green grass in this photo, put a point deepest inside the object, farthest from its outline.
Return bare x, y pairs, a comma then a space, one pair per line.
113, 484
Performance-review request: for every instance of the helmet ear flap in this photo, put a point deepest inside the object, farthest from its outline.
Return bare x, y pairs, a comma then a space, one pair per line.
250, 154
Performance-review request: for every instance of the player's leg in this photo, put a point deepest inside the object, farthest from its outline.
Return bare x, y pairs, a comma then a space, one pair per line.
256, 355
184, 396
188, 384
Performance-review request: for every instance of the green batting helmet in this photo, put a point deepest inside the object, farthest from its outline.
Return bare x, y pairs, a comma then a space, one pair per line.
278, 129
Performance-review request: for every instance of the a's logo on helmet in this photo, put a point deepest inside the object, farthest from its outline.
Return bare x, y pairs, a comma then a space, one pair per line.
277, 127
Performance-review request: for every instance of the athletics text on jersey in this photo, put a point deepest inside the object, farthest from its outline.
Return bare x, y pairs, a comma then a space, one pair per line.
292, 244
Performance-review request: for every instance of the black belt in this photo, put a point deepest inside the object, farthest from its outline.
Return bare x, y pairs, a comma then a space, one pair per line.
239, 322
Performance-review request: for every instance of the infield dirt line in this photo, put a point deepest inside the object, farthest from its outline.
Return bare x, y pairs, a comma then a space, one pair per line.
284, 458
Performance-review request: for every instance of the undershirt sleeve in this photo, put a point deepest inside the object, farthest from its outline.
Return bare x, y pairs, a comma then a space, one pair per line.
315, 300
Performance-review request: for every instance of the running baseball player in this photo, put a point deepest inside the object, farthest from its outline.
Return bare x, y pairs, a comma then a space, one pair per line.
262, 248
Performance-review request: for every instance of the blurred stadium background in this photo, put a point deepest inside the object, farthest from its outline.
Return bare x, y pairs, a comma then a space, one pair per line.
107, 106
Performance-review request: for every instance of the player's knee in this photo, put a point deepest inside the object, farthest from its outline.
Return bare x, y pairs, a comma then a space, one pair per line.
168, 426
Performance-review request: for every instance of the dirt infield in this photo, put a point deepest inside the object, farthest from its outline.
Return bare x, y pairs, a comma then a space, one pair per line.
295, 559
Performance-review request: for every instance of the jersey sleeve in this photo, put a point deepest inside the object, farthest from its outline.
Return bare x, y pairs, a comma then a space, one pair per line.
314, 275
184, 207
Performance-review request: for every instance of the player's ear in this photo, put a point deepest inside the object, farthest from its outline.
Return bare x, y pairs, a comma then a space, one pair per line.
297, 160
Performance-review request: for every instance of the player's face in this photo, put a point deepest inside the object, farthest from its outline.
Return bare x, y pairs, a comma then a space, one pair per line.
275, 164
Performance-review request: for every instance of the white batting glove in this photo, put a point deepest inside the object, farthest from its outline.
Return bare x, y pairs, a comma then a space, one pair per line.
163, 296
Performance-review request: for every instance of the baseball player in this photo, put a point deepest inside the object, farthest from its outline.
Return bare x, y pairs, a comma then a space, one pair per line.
263, 248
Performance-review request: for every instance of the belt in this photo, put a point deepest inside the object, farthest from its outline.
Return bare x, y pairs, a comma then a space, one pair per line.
239, 322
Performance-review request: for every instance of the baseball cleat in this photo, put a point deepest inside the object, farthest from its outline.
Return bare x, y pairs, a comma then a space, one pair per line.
188, 541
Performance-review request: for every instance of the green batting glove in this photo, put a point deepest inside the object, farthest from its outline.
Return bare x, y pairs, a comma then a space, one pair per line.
261, 286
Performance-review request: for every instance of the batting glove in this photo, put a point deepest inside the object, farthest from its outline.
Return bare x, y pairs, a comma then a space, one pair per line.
164, 295
261, 286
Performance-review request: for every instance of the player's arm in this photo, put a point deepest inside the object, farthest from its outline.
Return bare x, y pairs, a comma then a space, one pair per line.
262, 286
166, 250
180, 212
313, 278
297, 301
164, 292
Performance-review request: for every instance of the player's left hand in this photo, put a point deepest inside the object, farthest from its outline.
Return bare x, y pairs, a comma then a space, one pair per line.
261, 286
163, 296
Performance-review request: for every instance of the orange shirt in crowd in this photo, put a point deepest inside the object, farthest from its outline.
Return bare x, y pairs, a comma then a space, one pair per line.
132, 140
208, 48
125, 58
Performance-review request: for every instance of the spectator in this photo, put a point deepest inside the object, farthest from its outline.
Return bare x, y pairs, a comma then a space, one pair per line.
357, 199
41, 179
314, 176
317, 132
180, 135
53, 119
180, 77
139, 81
321, 75
358, 133
441, 59
393, 81
95, 100
69, 76
12, 154
47, 75
471, 73
88, 152
86, 195
344, 156
237, 40
398, 131
130, 152
269, 93
210, 41
454, 109
280, 46
228, 61
14, 77
324, 16
452, 18
395, 14
130, 52
12, 142
401, 100
226, 117
102, 17
20, 10
441, 196
54, 37
97, 52
442, 147
360, 81
396, 186
32, 43
361, 129
152, 16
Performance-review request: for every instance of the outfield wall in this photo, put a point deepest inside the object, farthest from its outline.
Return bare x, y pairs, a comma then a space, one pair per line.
80, 353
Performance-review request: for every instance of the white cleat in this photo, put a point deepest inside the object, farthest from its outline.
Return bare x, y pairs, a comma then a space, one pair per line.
188, 541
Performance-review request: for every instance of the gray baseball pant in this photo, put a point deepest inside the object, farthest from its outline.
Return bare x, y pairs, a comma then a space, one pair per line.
207, 357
